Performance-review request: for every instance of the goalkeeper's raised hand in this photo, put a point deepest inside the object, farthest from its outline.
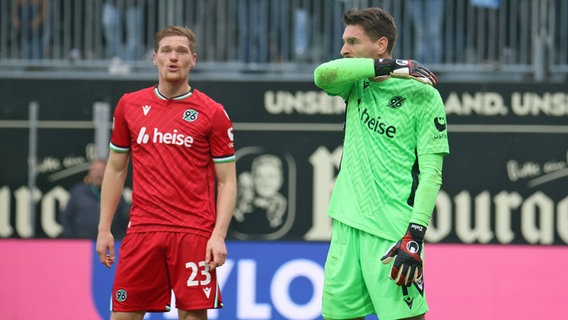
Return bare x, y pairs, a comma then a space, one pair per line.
405, 69
407, 267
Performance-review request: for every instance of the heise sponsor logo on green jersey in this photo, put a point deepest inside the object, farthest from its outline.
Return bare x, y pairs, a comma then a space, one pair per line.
376, 125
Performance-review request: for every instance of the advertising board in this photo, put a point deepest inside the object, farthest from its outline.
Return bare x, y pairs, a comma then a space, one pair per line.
504, 182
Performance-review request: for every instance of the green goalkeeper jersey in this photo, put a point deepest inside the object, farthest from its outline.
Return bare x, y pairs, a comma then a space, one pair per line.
387, 125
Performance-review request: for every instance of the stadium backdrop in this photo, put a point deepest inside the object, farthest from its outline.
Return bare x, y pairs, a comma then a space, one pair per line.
505, 195
504, 182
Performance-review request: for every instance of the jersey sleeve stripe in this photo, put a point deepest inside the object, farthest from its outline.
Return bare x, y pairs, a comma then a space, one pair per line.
230, 158
118, 149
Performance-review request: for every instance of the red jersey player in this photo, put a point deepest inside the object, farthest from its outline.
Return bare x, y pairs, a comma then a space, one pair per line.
181, 145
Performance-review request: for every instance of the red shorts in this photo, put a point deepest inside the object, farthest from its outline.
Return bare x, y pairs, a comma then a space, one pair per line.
151, 264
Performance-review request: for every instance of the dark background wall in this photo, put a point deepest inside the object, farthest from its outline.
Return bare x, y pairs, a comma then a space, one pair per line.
505, 180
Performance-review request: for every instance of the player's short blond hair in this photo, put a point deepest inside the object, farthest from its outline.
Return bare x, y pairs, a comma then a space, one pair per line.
175, 31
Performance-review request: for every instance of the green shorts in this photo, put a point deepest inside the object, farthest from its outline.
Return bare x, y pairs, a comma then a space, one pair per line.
357, 283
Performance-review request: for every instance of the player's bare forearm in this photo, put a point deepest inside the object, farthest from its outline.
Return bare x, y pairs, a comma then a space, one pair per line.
226, 201
111, 192
226, 196
112, 187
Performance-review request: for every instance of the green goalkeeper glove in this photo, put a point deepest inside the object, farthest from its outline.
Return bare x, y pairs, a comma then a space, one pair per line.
404, 69
407, 267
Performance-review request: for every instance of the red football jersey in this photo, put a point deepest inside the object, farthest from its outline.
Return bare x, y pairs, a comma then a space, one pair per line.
174, 144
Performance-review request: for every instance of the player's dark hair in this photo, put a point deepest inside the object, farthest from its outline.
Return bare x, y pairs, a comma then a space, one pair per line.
175, 31
376, 22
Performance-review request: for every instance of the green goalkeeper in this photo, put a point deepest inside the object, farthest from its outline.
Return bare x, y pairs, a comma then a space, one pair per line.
390, 174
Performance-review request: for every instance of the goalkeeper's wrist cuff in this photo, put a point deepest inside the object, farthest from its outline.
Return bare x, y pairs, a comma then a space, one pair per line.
417, 231
383, 67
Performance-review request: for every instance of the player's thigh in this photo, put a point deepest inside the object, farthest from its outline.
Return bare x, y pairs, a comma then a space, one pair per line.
141, 280
390, 300
194, 284
345, 294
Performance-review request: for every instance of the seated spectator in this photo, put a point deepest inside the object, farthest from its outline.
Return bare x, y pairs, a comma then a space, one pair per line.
80, 218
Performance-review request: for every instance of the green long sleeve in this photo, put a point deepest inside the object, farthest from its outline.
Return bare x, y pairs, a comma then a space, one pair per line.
336, 77
430, 181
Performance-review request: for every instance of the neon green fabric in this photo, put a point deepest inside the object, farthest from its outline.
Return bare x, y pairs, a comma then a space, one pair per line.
389, 125
430, 182
356, 284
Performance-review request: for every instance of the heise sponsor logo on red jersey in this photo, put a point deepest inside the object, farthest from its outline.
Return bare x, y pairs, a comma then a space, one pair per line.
173, 138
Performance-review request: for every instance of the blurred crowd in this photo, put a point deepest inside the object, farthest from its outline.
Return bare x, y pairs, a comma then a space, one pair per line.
259, 32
